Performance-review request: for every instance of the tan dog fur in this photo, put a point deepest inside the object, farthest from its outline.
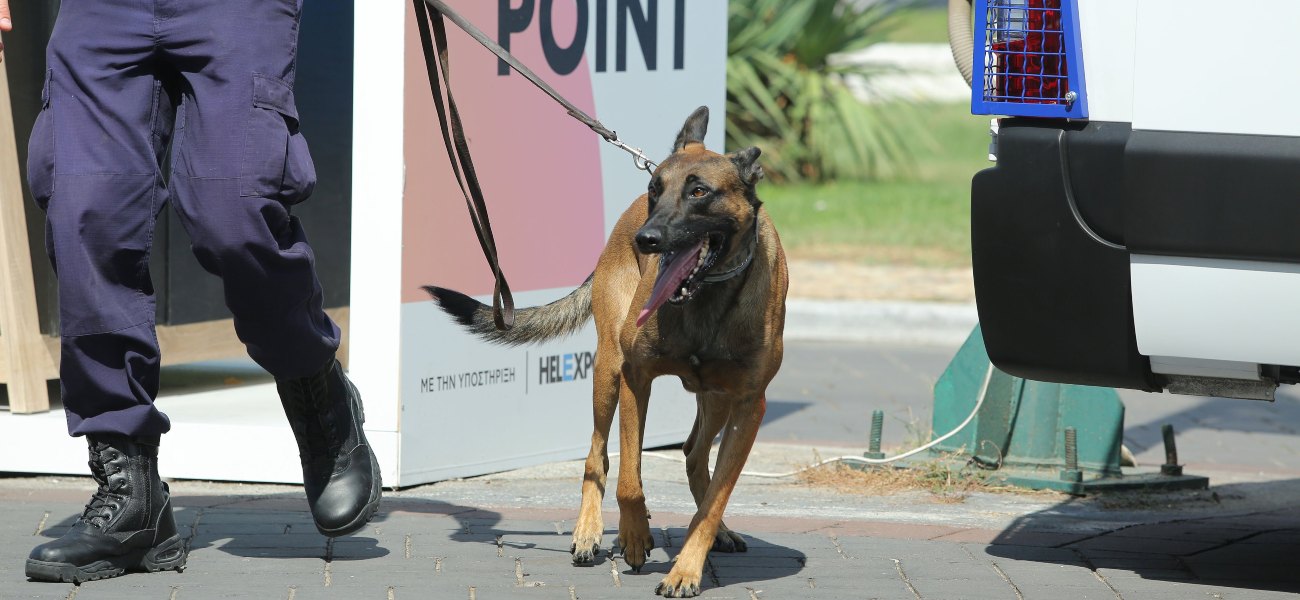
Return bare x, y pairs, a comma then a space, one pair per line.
725, 344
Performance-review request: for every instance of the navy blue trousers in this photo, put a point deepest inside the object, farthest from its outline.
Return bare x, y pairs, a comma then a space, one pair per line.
212, 80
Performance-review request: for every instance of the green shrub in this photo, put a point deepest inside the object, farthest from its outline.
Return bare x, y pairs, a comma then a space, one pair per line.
787, 94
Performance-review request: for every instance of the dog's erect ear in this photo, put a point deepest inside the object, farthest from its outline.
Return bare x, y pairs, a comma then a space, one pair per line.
746, 162
693, 131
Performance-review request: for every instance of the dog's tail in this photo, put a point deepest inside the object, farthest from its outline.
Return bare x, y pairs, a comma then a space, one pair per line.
533, 324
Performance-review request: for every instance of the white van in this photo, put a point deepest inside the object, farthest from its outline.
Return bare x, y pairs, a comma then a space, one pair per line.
1141, 227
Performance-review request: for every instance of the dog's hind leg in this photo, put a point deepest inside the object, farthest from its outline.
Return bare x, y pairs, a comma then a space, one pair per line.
710, 416
634, 521
683, 581
590, 527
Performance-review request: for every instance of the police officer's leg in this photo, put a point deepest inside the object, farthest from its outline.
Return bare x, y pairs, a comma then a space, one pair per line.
93, 165
239, 163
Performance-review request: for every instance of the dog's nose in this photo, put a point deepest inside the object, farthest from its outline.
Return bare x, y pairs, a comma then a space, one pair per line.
649, 240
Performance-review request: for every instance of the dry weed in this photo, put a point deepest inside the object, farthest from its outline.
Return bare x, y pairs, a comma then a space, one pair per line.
948, 481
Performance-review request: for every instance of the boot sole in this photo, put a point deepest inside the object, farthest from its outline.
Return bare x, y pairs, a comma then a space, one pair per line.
169, 555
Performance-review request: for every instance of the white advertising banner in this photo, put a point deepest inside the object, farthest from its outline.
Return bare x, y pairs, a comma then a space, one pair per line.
554, 190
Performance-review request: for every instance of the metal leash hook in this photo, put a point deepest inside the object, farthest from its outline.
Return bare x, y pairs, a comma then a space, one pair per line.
639, 159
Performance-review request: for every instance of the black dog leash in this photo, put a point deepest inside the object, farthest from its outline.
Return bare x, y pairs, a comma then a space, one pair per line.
453, 134
440, 7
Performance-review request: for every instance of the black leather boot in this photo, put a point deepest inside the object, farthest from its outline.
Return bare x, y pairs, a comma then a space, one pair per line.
339, 471
127, 525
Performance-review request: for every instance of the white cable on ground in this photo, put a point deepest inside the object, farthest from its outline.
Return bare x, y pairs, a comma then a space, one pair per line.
861, 459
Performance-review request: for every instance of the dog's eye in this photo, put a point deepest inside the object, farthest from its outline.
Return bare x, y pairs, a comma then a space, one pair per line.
699, 192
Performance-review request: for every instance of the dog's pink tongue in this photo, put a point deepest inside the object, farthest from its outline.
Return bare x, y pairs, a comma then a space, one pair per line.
670, 278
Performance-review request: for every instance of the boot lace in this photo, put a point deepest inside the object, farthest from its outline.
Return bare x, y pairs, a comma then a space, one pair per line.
105, 499
317, 426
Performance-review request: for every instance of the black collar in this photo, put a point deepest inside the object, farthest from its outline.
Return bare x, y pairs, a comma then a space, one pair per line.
749, 258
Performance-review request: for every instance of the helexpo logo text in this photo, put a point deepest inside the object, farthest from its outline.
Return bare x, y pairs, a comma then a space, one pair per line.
559, 368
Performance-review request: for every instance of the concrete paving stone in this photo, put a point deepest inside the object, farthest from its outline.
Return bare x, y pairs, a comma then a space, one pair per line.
1234, 590
729, 561
1116, 574
962, 583
1094, 553
1047, 580
156, 585
930, 556
489, 589
270, 553
841, 588
1259, 555
1193, 530
475, 550
1144, 545
770, 550
976, 588
772, 588
209, 562
402, 570
1258, 522
260, 540
543, 543
368, 591
870, 567
25, 518
1283, 537
1275, 575
558, 593
228, 515
423, 525
39, 591
132, 585
1068, 592
1140, 562
442, 544
998, 553
249, 528
762, 573
1159, 589
1046, 539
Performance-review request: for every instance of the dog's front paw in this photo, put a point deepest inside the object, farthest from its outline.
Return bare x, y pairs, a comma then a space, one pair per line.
586, 546
635, 547
679, 585
586, 556
727, 540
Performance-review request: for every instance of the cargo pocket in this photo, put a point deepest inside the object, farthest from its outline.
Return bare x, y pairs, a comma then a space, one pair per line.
40, 151
276, 162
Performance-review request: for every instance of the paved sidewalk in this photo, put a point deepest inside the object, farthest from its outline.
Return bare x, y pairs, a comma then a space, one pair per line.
507, 535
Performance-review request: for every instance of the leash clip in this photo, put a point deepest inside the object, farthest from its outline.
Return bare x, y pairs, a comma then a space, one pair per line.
639, 159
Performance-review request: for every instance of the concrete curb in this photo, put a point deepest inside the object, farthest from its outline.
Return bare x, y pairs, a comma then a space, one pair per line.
931, 323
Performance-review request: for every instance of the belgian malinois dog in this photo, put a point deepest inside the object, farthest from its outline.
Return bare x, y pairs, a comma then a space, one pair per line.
692, 283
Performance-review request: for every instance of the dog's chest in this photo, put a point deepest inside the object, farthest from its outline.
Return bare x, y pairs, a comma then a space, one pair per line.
705, 363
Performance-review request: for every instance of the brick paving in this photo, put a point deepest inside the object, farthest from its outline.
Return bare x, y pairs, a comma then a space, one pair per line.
507, 536
263, 545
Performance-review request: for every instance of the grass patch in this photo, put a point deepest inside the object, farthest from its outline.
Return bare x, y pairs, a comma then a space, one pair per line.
918, 26
921, 219
944, 480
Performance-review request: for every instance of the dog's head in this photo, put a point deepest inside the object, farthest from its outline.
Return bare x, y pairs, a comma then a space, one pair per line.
701, 205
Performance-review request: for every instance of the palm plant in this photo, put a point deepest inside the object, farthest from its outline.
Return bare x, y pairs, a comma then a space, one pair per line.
787, 93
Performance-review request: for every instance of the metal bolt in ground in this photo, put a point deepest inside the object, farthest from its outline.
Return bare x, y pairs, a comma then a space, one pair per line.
1071, 471
1071, 448
877, 428
1171, 466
